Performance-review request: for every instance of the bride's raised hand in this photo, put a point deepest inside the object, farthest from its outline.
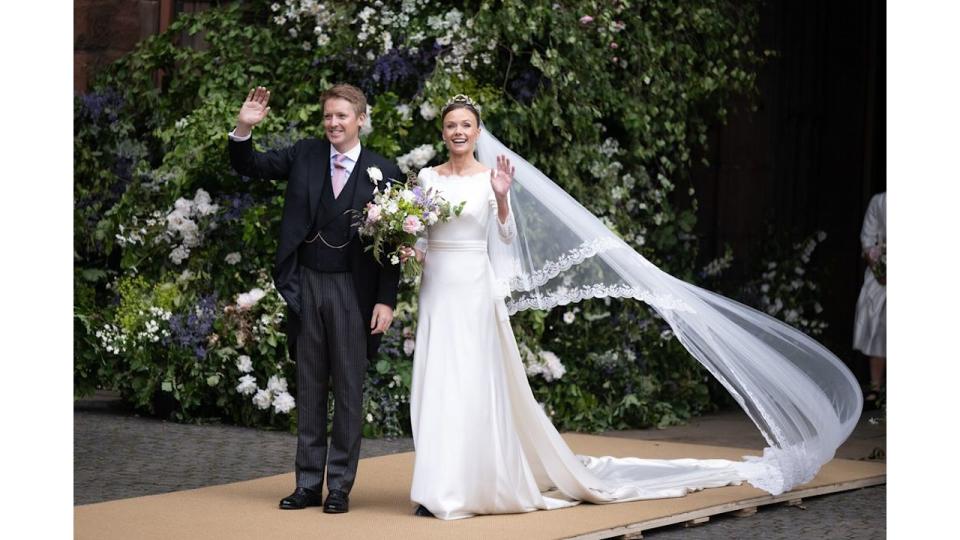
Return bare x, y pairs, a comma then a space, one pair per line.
502, 176
254, 108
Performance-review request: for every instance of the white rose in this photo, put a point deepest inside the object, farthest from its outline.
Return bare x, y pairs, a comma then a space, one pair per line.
232, 258
283, 402
404, 112
407, 196
375, 174
408, 346
276, 384
262, 399
244, 364
555, 369
428, 111
569, 317
249, 299
404, 163
423, 153
248, 385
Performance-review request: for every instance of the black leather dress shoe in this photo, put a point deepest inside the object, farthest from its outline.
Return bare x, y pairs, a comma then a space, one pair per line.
337, 502
423, 512
299, 499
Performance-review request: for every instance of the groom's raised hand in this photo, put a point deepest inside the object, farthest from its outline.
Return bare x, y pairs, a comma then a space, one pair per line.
253, 110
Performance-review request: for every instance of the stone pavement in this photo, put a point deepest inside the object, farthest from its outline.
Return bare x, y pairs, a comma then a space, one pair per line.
119, 455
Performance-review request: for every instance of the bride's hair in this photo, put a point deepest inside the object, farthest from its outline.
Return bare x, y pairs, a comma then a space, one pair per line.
460, 101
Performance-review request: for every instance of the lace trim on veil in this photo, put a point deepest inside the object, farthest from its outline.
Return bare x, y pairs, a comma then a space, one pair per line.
564, 295
551, 269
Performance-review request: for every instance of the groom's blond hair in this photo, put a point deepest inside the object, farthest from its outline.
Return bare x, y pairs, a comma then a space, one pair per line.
348, 92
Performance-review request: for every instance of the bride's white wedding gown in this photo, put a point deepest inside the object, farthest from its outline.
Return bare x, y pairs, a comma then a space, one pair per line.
483, 443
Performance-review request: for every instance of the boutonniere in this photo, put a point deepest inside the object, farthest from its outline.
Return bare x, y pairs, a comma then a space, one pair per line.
376, 176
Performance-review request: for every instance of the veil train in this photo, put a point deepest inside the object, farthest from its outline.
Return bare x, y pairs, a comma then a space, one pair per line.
800, 395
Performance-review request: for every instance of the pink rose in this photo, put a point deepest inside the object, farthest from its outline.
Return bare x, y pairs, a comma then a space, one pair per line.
586, 19
412, 225
613, 45
373, 213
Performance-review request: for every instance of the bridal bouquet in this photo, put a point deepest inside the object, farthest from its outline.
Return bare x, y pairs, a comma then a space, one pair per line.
398, 214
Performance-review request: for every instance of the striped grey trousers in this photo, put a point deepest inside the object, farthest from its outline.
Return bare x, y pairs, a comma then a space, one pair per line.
331, 352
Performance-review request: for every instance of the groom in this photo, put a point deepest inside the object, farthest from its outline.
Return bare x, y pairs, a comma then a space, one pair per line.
339, 298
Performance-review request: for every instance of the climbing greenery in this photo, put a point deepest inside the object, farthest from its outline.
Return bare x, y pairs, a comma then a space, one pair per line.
173, 250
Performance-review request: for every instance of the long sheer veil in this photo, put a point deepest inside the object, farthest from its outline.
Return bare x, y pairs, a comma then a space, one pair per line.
799, 394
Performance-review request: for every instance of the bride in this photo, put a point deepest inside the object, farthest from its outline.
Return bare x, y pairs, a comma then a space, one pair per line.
483, 444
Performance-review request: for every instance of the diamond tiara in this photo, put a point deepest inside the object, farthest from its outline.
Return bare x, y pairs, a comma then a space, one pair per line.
461, 98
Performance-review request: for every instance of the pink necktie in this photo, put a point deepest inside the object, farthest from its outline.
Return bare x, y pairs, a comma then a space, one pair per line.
339, 174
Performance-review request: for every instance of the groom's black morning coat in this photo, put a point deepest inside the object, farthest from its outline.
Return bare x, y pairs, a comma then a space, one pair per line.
306, 167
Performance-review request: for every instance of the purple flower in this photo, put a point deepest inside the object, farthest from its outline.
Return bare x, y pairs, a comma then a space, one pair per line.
235, 205
95, 104
191, 329
397, 70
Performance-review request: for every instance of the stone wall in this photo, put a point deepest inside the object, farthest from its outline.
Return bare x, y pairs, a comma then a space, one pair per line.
104, 30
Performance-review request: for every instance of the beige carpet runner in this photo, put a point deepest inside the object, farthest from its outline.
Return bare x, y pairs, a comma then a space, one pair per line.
380, 505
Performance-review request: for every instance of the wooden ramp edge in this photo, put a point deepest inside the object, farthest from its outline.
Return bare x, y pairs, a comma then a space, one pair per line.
742, 508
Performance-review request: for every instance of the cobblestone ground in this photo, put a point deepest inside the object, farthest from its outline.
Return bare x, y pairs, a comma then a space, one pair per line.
119, 455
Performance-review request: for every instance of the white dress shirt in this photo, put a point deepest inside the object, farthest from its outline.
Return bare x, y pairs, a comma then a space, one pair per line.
352, 155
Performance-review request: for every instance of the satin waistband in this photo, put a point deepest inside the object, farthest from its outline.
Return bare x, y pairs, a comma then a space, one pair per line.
457, 245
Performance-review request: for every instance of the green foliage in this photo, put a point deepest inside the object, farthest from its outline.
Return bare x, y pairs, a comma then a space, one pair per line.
611, 109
